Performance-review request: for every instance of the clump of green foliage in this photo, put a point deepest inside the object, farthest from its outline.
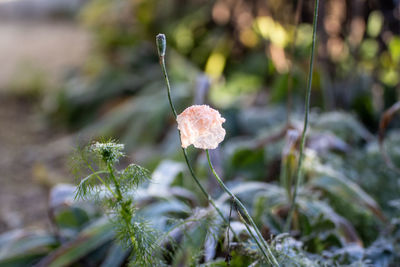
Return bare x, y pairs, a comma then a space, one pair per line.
337, 222
114, 188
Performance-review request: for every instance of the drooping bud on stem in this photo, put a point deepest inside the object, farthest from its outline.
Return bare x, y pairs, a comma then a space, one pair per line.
161, 44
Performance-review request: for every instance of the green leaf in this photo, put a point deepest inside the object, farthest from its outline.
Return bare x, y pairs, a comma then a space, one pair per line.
164, 175
90, 239
116, 256
72, 218
23, 248
161, 210
342, 124
345, 189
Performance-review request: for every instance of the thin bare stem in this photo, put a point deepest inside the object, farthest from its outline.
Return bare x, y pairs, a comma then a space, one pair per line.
307, 110
269, 255
290, 77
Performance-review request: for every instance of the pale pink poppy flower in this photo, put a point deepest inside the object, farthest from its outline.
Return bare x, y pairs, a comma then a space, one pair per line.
201, 126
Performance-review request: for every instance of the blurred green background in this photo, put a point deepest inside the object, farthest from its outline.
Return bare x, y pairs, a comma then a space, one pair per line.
73, 71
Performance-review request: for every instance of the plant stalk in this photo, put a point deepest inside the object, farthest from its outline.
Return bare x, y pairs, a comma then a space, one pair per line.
270, 257
161, 45
125, 209
256, 239
290, 76
306, 115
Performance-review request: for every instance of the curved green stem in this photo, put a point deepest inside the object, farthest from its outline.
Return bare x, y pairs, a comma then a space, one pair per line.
307, 110
209, 198
164, 70
161, 52
270, 257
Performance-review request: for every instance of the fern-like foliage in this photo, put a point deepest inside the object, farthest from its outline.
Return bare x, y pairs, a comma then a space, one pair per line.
132, 177
113, 189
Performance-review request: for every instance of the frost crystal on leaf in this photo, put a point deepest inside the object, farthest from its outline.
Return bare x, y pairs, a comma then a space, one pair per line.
201, 126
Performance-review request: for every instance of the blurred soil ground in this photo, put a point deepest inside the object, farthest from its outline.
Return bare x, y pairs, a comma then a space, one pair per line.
43, 46
31, 154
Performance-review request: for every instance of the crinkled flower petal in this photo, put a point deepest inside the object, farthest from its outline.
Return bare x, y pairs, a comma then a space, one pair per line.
201, 126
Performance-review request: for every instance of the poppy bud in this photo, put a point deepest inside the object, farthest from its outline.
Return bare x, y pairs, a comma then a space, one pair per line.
161, 44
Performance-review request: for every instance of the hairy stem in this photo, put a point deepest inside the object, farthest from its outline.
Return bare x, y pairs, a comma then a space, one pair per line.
307, 110
164, 70
161, 51
126, 213
270, 257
